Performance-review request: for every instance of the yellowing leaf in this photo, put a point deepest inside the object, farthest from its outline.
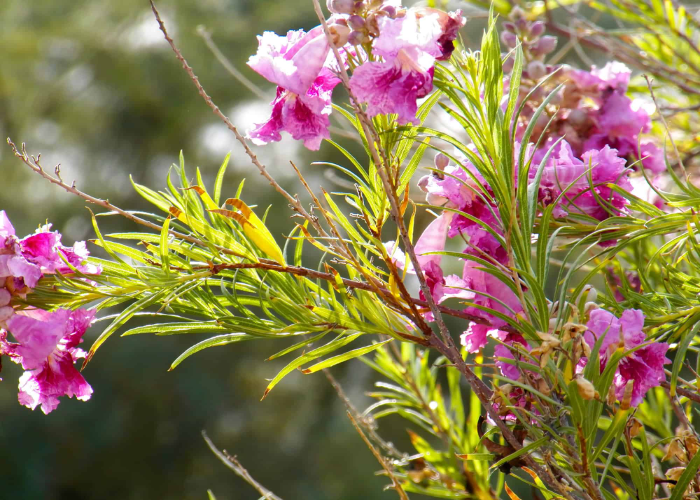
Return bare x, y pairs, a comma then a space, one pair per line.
253, 228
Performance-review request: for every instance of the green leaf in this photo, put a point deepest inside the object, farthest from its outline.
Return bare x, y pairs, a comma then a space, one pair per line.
335, 360
220, 340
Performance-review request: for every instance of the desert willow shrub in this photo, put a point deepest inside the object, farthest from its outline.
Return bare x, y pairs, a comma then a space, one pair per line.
569, 364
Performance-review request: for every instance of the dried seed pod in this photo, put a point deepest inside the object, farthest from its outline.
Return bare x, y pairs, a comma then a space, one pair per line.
586, 389
627, 396
675, 450
634, 426
675, 473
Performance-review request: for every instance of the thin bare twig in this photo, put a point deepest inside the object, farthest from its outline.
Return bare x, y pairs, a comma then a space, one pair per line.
228, 65
34, 162
367, 422
396, 485
358, 285
232, 463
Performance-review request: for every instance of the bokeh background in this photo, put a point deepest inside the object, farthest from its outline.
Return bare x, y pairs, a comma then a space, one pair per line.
92, 85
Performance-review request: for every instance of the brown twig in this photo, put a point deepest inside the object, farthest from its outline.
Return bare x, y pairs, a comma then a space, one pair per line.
358, 285
396, 485
34, 162
367, 422
232, 463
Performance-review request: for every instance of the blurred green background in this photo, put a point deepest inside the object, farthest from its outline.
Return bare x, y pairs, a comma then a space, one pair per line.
91, 84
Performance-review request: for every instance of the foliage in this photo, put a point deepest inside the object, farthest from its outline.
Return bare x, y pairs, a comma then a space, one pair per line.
569, 423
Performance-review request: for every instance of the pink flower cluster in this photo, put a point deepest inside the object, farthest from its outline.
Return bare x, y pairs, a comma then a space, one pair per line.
644, 365
576, 185
593, 111
47, 342
392, 52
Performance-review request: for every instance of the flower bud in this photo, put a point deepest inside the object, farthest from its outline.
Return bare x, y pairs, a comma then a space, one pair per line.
588, 307
356, 22
536, 70
509, 27
6, 313
5, 297
509, 39
577, 117
423, 183
537, 29
341, 6
339, 34
522, 25
544, 46
441, 161
390, 11
516, 13
357, 38
586, 390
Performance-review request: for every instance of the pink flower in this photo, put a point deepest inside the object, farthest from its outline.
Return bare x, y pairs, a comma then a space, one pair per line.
292, 62
7, 233
501, 351
304, 117
47, 349
583, 182
614, 76
409, 46
394, 87
450, 24
418, 31
645, 366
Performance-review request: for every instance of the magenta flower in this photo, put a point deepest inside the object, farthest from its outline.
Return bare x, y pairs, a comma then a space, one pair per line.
450, 24
7, 233
47, 350
418, 31
394, 87
292, 62
409, 46
645, 366
584, 182
304, 117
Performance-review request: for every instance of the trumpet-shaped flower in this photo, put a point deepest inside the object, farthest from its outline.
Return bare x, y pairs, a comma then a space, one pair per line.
292, 62
47, 349
644, 365
394, 86
304, 116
